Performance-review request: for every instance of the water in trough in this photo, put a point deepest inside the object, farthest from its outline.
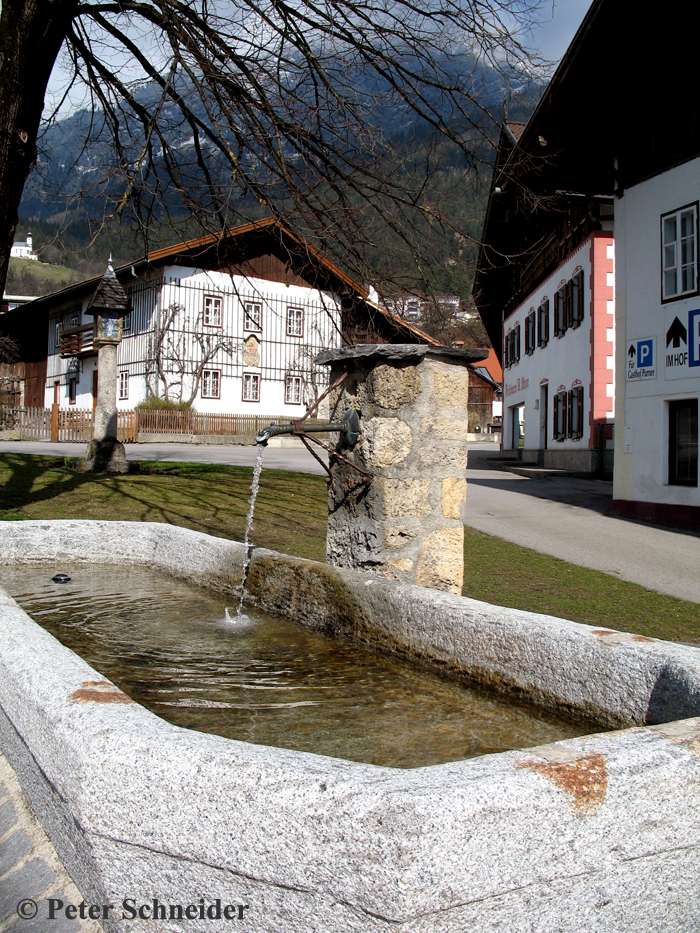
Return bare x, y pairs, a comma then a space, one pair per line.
177, 650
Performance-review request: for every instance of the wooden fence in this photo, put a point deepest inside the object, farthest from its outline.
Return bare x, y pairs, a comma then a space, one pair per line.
74, 424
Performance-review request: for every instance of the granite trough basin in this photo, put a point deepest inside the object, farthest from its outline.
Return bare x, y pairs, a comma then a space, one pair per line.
596, 833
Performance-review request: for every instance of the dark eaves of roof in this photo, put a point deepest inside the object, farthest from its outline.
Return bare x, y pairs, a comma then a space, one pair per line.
159, 256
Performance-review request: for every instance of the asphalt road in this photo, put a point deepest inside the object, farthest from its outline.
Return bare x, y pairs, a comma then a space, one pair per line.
570, 518
276, 458
563, 516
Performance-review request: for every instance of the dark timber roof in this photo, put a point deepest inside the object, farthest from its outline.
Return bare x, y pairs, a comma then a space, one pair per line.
253, 249
109, 294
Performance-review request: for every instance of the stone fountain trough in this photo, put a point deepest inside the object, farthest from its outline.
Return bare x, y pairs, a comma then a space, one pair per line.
599, 833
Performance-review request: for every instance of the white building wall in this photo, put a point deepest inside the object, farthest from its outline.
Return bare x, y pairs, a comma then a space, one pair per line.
562, 364
641, 450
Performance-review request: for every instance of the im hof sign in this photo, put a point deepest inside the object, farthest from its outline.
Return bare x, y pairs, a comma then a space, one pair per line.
682, 339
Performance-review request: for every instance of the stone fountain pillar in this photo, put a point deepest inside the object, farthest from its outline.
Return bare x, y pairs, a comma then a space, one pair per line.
109, 305
408, 523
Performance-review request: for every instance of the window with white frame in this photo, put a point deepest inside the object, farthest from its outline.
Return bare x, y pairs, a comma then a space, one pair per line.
211, 383
123, 383
72, 390
252, 316
251, 387
295, 322
679, 267
127, 324
293, 390
212, 311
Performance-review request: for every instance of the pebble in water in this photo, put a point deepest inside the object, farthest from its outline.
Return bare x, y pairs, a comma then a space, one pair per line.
60, 578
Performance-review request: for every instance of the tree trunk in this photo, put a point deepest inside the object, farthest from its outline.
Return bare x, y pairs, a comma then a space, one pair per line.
31, 34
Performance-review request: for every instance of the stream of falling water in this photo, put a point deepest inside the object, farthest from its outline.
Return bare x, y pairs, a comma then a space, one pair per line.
254, 489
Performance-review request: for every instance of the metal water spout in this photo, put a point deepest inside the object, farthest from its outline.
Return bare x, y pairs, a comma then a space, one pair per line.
348, 428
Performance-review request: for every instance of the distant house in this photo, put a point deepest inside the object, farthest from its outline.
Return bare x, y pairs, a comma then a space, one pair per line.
486, 392
414, 309
23, 249
232, 323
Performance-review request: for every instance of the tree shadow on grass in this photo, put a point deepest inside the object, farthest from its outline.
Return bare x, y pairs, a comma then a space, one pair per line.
22, 486
290, 513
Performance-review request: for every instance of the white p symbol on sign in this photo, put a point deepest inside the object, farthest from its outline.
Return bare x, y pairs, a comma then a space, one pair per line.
645, 353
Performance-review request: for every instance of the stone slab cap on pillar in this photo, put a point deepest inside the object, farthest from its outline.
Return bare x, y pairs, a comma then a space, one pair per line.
412, 400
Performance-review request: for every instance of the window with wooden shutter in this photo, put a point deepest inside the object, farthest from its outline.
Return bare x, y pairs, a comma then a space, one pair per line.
561, 406
577, 299
560, 313
580, 411
516, 341
570, 303
506, 351
543, 323
569, 407
576, 413
530, 333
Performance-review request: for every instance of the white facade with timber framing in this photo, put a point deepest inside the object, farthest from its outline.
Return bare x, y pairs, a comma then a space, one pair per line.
227, 343
232, 323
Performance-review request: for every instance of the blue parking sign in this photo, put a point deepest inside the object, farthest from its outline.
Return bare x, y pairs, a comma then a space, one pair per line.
641, 359
645, 353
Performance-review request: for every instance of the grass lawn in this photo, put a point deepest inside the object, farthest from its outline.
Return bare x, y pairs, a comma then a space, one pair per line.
290, 516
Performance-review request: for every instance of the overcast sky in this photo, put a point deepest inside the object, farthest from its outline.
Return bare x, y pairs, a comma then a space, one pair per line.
559, 21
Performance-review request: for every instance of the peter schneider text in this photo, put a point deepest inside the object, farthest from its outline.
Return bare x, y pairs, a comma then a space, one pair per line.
131, 908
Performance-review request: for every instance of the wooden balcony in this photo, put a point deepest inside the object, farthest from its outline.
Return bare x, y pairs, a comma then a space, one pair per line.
76, 341
551, 254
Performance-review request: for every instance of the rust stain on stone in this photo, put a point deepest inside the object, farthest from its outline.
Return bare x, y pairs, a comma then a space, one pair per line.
642, 638
602, 631
585, 780
99, 691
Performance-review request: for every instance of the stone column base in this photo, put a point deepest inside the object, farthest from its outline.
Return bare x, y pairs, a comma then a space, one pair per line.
107, 456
